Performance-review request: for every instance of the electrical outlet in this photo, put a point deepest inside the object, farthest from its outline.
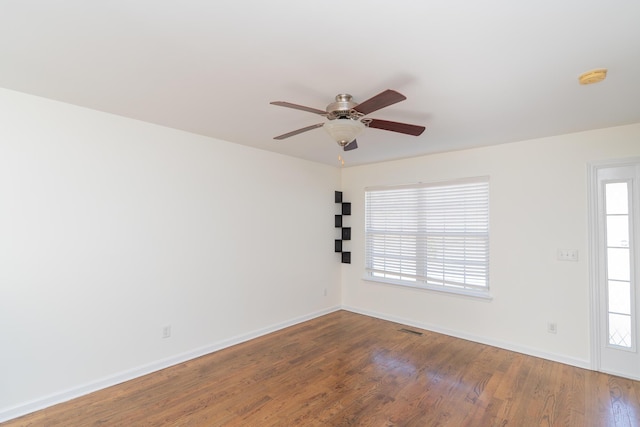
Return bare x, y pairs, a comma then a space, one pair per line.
166, 331
325, 292
552, 328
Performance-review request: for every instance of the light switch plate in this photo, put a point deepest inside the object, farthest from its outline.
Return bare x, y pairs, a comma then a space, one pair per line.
567, 255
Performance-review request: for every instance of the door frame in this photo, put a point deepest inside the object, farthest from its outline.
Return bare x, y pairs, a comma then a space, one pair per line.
595, 261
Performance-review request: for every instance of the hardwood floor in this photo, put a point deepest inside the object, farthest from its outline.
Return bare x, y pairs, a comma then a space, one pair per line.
345, 369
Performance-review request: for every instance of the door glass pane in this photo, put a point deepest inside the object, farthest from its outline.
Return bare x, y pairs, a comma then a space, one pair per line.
618, 231
618, 261
617, 198
620, 330
619, 292
619, 301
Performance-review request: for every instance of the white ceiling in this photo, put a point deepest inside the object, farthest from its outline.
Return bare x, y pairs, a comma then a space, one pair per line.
474, 72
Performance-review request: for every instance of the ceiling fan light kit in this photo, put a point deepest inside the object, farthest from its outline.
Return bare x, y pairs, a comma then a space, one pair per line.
346, 118
343, 131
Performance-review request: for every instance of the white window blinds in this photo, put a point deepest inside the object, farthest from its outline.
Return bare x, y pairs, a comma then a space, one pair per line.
429, 235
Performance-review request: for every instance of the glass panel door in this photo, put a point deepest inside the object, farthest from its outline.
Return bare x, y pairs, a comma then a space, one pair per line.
618, 269
616, 213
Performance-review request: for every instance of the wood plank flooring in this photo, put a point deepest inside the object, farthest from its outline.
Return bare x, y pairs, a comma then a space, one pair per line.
345, 369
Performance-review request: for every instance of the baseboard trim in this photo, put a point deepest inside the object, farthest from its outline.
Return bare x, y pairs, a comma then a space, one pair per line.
585, 364
82, 390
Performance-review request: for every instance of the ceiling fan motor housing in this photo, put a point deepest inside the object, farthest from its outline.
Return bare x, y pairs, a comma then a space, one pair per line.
343, 108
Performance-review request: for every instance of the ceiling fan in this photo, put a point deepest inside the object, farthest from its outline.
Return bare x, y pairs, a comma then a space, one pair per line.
346, 118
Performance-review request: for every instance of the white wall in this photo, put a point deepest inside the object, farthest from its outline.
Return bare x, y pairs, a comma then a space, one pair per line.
111, 229
538, 204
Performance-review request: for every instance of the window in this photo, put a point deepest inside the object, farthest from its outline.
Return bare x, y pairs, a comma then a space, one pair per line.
433, 236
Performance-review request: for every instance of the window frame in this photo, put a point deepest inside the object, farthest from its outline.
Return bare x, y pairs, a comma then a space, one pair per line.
479, 186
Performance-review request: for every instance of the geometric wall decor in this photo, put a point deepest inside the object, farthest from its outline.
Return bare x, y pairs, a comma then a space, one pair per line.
345, 232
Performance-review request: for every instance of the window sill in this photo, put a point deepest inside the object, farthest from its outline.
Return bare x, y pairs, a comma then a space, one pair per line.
466, 293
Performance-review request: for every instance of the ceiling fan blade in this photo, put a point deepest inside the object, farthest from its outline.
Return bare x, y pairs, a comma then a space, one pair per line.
295, 132
381, 100
298, 107
351, 146
397, 127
